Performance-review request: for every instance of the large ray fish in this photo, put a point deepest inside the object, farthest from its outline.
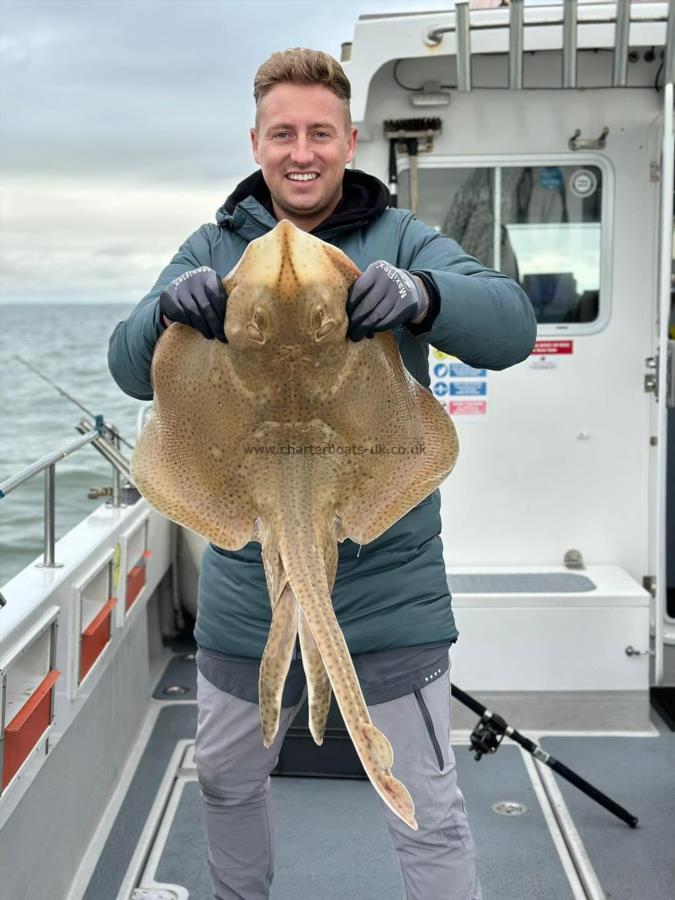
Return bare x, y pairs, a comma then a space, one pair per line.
292, 435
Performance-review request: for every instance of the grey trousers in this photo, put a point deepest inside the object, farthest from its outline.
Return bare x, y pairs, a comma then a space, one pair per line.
233, 767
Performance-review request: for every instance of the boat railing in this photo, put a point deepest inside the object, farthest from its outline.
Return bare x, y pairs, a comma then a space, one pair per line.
461, 29
106, 439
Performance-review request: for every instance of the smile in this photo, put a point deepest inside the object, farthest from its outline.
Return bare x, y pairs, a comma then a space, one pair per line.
302, 176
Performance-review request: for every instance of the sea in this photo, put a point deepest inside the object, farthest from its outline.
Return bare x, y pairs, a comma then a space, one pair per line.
68, 343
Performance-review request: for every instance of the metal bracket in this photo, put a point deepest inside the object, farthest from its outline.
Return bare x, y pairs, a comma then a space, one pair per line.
573, 559
652, 377
576, 142
631, 651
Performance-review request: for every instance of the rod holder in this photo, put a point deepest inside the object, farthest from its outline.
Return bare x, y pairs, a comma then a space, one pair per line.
50, 520
569, 73
516, 45
463, 46
621, 32
669, 54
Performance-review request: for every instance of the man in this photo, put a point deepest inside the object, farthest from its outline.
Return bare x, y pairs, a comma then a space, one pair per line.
390, 597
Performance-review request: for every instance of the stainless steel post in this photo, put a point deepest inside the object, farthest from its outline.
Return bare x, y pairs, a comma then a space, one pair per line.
116, 483
463, 37
50, 519
516, 45
621, 34
569, 43
669, 54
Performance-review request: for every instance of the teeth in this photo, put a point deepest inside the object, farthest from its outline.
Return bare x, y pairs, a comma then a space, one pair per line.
310, 177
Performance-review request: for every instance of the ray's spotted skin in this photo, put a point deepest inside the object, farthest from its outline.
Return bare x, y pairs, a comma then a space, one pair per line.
248, 441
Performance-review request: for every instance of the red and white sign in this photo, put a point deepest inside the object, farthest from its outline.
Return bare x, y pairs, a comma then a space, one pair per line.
467, 407
553, 348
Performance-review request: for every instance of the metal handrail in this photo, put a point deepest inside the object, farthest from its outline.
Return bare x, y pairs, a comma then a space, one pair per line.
463, 28
90, 434
45, 462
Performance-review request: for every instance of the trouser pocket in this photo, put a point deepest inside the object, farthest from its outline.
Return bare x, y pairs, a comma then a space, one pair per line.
426, 715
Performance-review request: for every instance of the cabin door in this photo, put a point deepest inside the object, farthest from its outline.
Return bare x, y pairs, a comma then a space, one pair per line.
664, 613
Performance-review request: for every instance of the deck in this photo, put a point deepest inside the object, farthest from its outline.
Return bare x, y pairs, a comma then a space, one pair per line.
152, 844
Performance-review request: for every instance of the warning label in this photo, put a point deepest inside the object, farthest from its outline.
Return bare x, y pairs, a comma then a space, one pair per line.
468, 388
553, 348
467, 407
451, 378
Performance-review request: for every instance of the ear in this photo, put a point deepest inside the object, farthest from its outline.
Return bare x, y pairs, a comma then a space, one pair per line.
351, 143
254, 145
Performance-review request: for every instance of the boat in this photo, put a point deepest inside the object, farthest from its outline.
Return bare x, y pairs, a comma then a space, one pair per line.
540, 137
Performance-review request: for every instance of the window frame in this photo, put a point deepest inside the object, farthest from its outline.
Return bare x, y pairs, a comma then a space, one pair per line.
572, 158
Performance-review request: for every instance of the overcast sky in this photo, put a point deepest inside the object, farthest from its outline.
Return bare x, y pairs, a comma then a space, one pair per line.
125, 125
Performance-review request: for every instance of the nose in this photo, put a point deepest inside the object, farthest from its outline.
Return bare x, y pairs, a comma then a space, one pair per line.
301, 151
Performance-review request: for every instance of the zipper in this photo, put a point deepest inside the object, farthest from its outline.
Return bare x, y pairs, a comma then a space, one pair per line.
430, 728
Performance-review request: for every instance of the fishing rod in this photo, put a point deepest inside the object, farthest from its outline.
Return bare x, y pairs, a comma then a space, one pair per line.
489, 733
68, 396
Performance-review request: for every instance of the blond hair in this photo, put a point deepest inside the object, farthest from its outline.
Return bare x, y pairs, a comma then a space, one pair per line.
302, 66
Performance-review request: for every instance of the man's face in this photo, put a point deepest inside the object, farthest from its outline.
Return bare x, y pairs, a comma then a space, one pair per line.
302, 132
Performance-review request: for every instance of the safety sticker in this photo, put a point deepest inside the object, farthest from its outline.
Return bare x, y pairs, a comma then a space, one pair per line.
466, 410
461, 370
552, 348
450, 378
468, 388
583, 182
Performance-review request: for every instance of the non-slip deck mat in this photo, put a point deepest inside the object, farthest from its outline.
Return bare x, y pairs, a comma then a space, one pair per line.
332, 842
519, 583
638, 773
174, 723
181, 672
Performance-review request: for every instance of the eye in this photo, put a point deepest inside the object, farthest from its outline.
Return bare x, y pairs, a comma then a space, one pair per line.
322, 325
256, 326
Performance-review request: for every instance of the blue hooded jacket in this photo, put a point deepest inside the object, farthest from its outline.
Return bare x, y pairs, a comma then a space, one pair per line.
392, 592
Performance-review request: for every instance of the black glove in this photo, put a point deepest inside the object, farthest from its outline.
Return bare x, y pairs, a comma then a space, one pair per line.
382, 298
197, 298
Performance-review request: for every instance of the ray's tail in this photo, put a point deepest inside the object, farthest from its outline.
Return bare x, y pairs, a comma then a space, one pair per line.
287, 622
305, 567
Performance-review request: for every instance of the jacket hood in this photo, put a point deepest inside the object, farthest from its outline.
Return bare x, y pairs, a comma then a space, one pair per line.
364, 198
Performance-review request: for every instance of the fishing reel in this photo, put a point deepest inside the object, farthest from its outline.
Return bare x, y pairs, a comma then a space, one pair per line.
487, 735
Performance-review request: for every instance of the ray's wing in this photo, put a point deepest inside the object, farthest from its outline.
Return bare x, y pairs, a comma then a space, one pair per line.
409, 443
189, 463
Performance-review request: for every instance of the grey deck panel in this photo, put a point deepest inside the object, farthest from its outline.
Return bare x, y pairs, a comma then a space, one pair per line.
174, 723
638, 773
181, 671
353, 839
519, 583
332, 841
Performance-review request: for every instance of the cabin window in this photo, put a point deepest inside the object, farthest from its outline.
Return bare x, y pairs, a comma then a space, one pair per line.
548, 219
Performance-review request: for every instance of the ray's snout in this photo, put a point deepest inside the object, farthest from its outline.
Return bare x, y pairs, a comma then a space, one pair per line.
288, 288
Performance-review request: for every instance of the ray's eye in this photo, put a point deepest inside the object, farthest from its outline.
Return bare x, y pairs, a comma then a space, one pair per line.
322, 325
255, 326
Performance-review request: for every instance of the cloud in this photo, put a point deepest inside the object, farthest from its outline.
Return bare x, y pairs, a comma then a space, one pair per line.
95, 239
125, 123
